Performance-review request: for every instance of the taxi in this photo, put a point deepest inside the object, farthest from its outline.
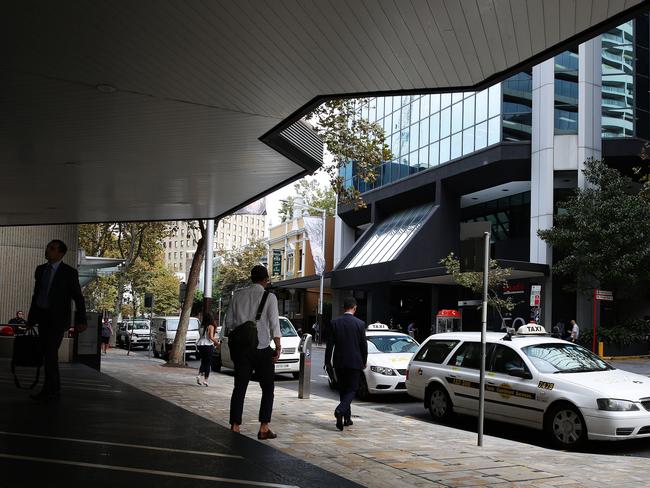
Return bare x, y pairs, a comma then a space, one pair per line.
533, 380
389, 353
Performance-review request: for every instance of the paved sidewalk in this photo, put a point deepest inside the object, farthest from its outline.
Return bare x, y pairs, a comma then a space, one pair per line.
381, 450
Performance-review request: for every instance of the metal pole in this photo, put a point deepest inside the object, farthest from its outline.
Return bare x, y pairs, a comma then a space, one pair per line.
481, 393
322, 281
207, 276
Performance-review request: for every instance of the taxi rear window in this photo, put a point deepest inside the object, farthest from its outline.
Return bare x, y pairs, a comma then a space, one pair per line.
435, 351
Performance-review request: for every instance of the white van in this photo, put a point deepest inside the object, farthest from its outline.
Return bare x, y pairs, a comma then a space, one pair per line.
164, 331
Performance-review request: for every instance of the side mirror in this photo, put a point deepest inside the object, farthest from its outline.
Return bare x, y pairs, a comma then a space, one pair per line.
520, 373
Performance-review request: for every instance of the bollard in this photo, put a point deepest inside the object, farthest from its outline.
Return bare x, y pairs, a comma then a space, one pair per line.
304, 378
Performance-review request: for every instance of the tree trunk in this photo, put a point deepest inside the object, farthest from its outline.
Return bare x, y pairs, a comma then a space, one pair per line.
117, 315
177, 353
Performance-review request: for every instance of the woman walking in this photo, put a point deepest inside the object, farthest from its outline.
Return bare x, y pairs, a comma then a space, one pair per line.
206, 345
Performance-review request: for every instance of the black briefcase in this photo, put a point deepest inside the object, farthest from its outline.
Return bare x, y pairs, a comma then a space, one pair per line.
27, 353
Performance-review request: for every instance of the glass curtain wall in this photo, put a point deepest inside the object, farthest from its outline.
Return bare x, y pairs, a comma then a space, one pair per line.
618, 81
518, 107
566, 92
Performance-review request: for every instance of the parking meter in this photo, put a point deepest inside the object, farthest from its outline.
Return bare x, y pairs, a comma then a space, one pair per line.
304, 378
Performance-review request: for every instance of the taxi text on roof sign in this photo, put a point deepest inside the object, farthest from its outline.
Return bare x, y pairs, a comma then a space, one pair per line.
531, 329
377, 326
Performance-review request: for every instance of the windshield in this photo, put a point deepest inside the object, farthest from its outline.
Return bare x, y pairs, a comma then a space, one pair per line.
172, 324
564, 358
391, 343
139, 326
287, 328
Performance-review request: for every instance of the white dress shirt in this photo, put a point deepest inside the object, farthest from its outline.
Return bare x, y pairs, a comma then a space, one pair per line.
243, 307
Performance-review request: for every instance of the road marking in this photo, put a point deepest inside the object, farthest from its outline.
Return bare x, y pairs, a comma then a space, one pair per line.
120, 444
146, 471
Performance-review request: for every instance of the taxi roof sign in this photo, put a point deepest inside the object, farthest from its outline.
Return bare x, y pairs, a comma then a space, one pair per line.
531, 329
377, 326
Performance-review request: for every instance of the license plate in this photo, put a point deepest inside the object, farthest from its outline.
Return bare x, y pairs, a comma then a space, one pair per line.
282, 366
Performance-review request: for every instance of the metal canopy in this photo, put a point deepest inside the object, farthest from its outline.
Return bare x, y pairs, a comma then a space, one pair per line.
122, 110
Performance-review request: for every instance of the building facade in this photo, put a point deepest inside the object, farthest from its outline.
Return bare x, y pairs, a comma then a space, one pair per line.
506, 155
293, 274
231, 233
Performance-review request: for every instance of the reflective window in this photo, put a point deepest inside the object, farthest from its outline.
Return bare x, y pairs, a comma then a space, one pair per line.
456, 145
435, 351
566, 92
456, 117
517, 107
468, 141
482, 106
385, 240
444, 150
445, 122
468, 112
494, 130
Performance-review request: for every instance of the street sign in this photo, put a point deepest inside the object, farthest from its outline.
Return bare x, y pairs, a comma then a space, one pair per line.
604, 295
182, 288
535, 295
469, 303
276, 270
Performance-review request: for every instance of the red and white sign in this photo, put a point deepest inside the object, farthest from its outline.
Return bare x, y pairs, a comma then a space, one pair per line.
535, 295
604, 295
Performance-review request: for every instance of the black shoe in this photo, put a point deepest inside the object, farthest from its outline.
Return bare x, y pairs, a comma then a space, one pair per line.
347, 422
339, 419
269, 434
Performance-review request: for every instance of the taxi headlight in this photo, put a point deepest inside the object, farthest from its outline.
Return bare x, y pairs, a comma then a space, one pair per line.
382, 370
614, 405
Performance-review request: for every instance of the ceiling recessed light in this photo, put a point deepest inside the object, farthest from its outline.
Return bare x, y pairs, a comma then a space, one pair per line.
105, 88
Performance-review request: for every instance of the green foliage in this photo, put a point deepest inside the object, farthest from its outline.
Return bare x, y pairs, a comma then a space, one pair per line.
286, 209
497, 279
348, 138
603, 235
632, 331
235, 266
314, 195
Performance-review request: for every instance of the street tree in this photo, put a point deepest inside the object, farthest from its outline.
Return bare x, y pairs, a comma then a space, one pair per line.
286, 209
351, 140
315, 195
236, 264
473, 280
195, 230
601, 235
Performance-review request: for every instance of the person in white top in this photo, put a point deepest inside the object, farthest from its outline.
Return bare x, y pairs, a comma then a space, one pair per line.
243, 307
575, 331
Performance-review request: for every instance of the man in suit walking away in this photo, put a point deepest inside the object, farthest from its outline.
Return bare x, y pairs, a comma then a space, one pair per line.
347, 351
243, 307
56, 286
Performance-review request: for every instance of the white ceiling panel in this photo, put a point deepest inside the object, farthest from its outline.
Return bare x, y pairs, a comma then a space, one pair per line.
198, 83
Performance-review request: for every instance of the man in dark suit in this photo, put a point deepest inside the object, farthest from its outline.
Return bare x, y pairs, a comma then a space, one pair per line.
347, 352
56, 286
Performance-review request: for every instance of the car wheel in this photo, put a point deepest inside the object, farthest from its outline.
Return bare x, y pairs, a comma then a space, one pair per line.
565, 426
295, 375
363, 393
439, 404
216, 363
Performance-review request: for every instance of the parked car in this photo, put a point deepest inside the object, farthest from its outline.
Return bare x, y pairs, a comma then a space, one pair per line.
164, 331
289, 361
533, 380
389, 353
136, 333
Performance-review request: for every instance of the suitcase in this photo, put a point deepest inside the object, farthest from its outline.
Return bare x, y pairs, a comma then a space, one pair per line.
27, 353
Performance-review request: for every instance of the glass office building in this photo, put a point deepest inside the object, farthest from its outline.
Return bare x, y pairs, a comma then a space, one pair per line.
425, 131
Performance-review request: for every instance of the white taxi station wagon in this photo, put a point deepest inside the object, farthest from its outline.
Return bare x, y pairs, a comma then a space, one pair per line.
533, 380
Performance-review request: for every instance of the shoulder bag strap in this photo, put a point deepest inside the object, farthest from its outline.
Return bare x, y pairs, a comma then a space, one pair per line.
258, 314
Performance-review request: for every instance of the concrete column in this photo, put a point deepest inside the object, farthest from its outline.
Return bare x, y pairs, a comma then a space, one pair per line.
589, 135
343, 239
589, 104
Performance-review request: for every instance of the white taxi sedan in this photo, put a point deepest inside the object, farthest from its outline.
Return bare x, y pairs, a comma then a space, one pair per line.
389, 353
532, 380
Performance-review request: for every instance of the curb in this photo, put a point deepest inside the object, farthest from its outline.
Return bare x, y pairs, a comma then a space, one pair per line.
623, 358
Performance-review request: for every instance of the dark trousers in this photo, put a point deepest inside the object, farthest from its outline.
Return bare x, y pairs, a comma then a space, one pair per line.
206, 360
261, 362
51, 338
348, 382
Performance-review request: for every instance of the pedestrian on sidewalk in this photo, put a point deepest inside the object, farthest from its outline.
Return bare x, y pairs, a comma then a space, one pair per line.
56, 285
206, 345
255, 303
575, 331
106, 333
347, 352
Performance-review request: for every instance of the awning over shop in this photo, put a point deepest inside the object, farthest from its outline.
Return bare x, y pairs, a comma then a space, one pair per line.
91, 267
439, 276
